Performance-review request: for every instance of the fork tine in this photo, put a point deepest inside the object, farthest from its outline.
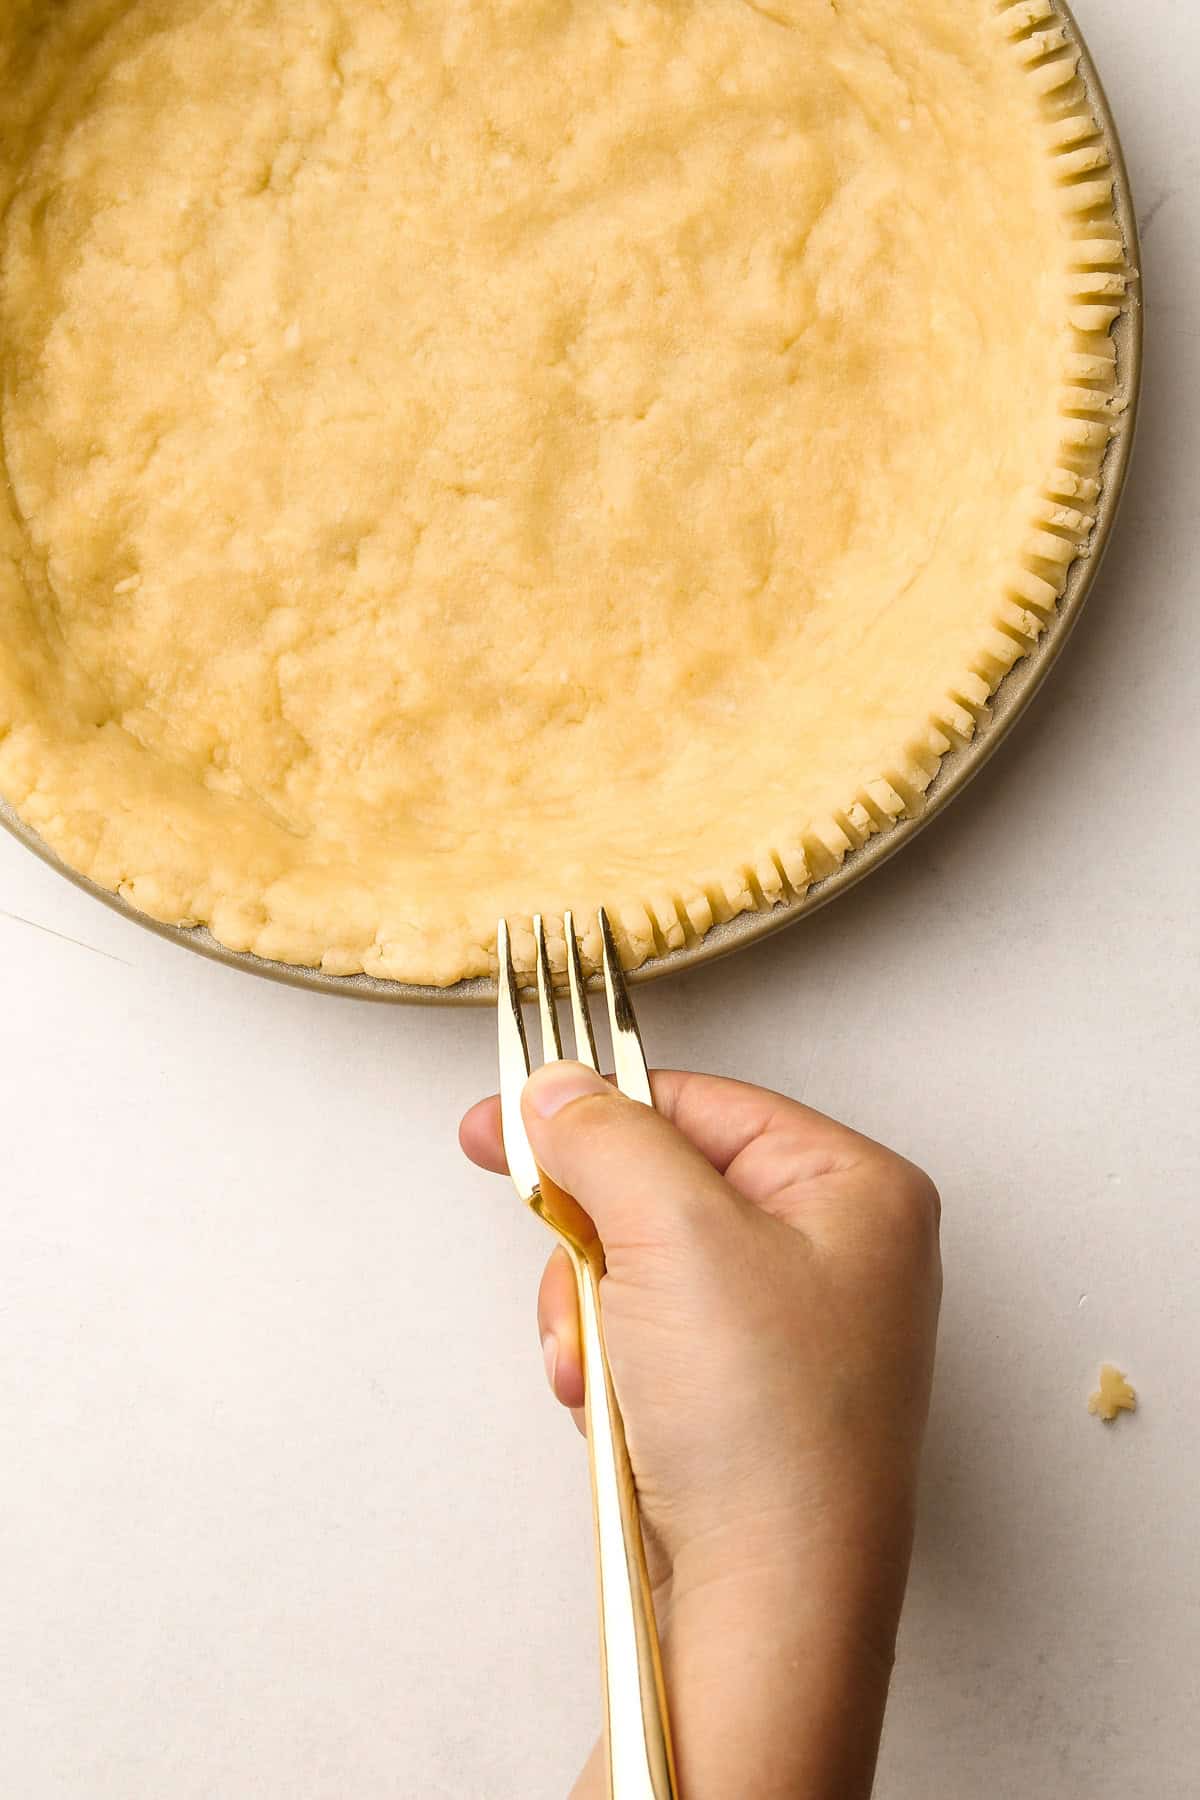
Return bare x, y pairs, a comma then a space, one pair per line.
585, 1037
551, 1036
629, 1058
514, 1068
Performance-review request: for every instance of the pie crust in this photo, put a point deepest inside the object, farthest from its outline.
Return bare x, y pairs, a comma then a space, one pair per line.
468, 457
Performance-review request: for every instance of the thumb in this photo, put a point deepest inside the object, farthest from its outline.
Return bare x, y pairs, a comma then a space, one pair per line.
638, 1178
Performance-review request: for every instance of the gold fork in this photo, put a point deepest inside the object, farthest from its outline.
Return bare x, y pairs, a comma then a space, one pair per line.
636, 1729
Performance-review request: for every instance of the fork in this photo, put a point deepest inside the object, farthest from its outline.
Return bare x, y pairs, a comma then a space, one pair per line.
636, 1729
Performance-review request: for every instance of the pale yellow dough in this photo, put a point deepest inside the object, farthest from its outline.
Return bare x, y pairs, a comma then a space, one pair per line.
465, 457
1113, 1396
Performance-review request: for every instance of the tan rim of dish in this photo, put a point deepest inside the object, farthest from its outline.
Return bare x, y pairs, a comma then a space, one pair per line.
957, 766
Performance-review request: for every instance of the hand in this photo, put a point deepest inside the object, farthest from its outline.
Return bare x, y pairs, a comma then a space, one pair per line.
770, 1310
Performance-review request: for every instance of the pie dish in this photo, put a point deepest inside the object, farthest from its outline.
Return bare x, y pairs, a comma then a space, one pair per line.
522, 454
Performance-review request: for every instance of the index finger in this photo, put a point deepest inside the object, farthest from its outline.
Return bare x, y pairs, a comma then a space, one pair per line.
722, 1118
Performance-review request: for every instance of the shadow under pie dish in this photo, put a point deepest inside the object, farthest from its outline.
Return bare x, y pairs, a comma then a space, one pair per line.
467, 459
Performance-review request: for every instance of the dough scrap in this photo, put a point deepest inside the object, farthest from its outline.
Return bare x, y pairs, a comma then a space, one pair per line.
1113, 1396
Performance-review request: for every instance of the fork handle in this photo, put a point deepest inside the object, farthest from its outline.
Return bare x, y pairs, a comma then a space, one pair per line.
637, 1733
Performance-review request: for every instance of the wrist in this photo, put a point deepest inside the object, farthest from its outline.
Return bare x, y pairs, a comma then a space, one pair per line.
778, 1669
845, 1575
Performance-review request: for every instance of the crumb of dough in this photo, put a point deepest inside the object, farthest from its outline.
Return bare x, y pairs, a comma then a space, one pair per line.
1113, 1396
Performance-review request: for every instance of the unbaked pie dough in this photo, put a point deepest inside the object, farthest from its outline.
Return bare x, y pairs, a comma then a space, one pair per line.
475, 455
1113, 1396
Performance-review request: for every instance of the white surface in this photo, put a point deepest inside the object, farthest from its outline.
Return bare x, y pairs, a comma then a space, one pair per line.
286, 1511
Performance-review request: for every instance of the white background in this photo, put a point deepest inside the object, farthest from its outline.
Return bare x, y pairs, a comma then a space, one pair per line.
286, 1510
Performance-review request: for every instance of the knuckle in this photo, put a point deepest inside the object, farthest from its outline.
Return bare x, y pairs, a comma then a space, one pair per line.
910, 1202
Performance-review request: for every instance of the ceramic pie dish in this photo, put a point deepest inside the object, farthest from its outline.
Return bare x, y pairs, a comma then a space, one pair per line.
669, 503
